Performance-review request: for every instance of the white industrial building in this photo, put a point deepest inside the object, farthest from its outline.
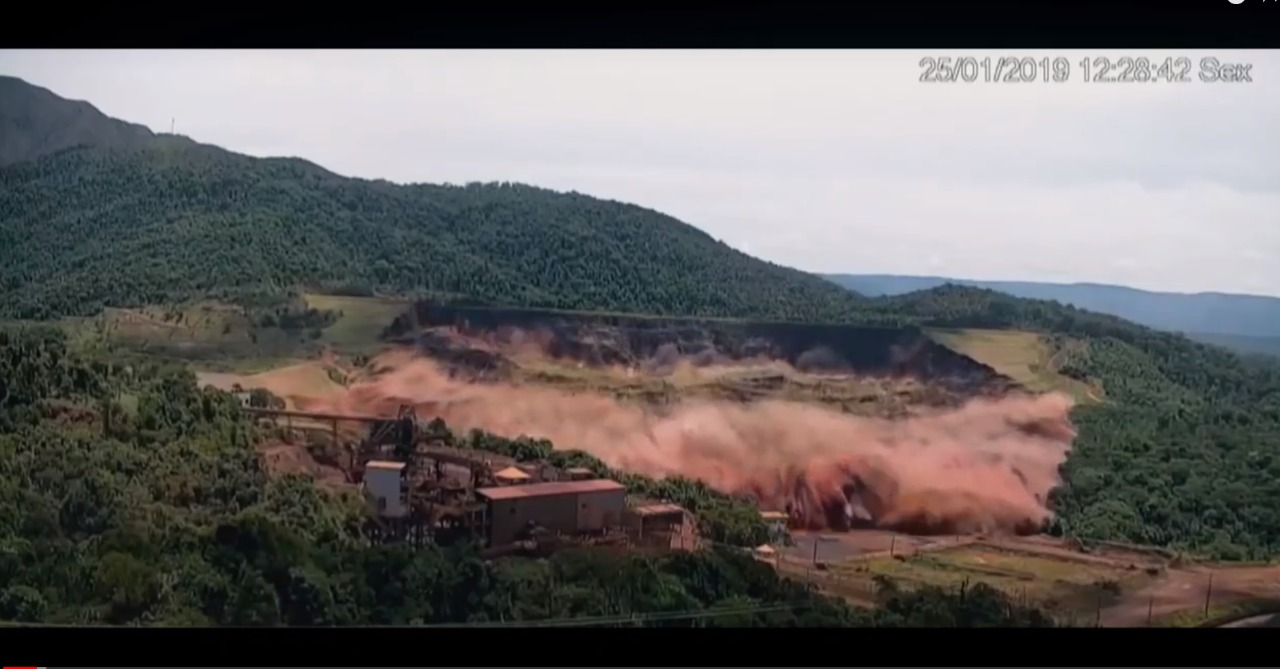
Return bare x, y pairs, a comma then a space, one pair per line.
383, 485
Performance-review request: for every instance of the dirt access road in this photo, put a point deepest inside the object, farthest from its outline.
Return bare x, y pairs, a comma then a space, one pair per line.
1187, 591
1155, 592
1266, 620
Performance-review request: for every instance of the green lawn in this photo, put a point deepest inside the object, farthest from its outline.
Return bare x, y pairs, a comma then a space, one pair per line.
362, 319
1024, 357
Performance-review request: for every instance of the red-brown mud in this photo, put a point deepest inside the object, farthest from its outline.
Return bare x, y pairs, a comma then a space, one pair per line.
987, 466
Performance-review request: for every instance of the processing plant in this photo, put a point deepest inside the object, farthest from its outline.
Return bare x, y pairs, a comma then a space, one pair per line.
421, 490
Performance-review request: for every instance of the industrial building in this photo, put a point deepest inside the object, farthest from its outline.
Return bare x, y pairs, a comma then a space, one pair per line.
566, 507
384, 485
422, 490
777, 521
579, 473
660, 524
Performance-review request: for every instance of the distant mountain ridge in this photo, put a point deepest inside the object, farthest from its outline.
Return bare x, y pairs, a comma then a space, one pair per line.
1216, 315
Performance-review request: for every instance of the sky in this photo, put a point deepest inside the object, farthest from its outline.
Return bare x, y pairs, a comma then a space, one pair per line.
828, 161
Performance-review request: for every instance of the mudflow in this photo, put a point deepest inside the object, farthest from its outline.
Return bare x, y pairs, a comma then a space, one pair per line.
985, 467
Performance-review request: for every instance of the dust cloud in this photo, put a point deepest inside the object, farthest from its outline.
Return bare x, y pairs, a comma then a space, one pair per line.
985, 467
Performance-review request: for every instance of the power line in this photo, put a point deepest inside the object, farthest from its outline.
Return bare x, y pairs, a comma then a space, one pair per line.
622, 619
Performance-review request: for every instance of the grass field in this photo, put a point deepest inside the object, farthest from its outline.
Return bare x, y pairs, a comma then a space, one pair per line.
1067, 588
1219, 614
220, 337
361, 320
312, 379
1024, 357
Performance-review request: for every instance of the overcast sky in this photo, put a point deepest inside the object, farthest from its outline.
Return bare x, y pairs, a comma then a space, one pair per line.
829, 161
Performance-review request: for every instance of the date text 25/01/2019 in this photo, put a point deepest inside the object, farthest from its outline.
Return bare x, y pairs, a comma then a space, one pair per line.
1088, 69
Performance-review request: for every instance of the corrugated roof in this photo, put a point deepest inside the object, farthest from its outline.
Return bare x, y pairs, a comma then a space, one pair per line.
658, 509
511, 473
383, 464
549, 489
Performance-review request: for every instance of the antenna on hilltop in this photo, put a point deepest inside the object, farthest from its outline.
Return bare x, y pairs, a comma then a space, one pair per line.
171, 122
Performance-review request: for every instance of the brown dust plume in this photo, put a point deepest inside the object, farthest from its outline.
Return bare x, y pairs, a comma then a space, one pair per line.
987, 466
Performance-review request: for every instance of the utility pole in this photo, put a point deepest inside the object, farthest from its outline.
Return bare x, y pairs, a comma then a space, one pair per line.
815, 550
1208, 595
1151, 605
893, 542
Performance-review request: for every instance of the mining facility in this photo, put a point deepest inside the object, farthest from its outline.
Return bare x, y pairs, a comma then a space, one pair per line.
422, 490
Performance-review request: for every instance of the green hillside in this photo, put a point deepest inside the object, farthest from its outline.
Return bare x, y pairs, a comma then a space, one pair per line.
1236, 321
1245, 345
35, 122
177, 221
1185, 451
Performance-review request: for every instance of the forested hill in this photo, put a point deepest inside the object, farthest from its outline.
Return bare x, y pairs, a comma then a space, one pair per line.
178, 220
167, 219
1201, 315
35, 122
1185, 448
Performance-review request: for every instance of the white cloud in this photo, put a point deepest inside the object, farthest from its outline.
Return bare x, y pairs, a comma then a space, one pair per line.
824, 160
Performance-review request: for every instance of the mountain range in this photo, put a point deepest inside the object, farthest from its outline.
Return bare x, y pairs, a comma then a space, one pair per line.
1248, 323
87, 196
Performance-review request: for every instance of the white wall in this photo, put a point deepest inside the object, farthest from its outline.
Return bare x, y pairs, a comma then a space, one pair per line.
385, 484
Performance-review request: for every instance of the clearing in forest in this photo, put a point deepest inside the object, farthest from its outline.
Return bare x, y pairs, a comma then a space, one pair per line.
361, 319
310, 379
1024, 357
226, 337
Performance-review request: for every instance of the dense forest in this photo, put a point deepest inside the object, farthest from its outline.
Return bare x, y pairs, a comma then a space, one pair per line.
179, 220
1229, 317
35, 121
1250, 347
1184, 452
130, 496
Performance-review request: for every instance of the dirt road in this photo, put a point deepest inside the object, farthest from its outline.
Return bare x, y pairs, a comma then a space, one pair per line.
1188, 591
1161, 594
1266, 620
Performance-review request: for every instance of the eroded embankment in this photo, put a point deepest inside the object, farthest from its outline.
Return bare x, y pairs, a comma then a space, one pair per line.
986, 466
653, 343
